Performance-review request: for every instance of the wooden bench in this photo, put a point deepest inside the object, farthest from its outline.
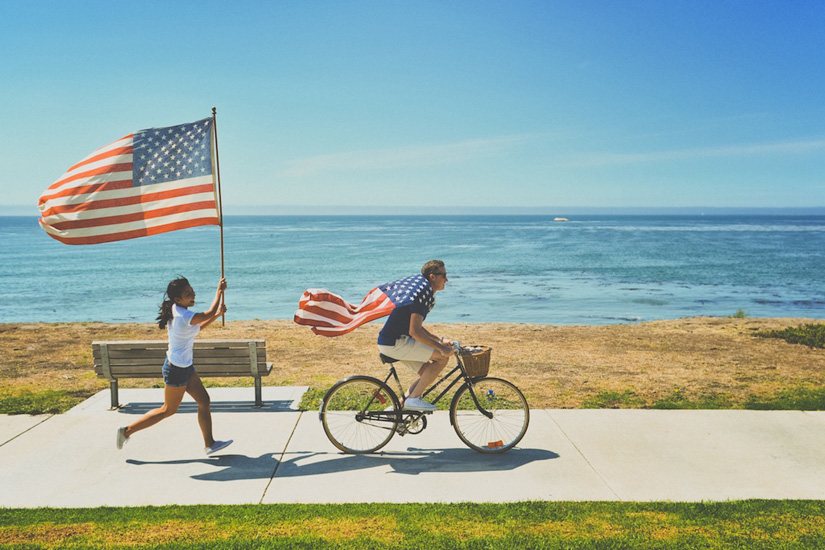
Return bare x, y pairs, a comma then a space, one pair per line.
144, 359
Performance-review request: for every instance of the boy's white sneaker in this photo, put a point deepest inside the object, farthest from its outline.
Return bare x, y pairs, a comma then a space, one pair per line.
217, 446
418, 404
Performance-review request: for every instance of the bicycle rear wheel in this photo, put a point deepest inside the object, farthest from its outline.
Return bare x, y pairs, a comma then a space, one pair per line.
508, 413
359, 414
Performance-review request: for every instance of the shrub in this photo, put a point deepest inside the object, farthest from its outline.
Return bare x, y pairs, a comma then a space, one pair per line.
811, 335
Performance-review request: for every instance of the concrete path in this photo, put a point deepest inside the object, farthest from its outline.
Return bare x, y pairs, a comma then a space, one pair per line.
282, 455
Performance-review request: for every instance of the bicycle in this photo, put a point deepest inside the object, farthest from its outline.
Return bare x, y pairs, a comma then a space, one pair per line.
360, 414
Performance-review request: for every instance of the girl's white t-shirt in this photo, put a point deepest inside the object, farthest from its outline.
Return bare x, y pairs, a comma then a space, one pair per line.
181, 336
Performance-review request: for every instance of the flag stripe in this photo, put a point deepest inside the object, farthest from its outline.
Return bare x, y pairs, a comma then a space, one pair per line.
336, 318
129, 226
132, 234
119, 152
124, 150
335, 307
131, 196
116, 193
324, 298
340, 331
135, 216
93, 174
330, 315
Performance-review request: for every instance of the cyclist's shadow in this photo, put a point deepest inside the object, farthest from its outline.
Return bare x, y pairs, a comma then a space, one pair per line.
413, 462
305, 463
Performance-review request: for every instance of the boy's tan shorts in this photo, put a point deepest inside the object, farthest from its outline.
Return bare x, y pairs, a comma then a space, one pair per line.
409, 352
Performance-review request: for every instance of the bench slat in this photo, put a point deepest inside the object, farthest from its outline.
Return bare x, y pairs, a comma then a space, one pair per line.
126, 358
137, 361
159, 352
154, 371
234, 355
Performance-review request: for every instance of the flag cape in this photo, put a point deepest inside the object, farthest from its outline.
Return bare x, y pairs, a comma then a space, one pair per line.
152, 181
330, 315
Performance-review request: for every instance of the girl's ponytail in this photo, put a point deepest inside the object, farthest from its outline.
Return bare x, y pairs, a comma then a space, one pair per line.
174, 291
165, 314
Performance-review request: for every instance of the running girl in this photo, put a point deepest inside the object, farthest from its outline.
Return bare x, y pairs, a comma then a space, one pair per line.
179, 373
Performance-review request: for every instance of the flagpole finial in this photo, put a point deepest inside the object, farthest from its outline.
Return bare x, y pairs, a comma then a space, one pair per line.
214, 110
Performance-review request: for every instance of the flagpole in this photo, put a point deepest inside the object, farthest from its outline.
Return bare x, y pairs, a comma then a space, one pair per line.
220, 203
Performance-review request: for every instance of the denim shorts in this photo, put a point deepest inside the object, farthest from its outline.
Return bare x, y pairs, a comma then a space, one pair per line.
177, 376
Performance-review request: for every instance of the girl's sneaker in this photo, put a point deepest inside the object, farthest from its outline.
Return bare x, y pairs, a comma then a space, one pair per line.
217, 446
121, 438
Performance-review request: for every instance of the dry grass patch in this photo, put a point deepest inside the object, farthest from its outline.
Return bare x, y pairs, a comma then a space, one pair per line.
382, 529
135, 534
555, 366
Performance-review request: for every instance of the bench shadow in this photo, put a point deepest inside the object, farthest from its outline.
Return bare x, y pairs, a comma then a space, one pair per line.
414, 462
188, 407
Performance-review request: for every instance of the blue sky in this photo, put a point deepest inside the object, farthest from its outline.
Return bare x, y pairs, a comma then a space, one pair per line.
472, 104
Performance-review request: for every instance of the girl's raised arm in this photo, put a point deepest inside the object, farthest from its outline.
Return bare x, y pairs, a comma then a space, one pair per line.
217, 308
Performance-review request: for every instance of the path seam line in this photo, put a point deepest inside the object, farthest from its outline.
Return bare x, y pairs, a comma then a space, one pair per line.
281, 458
587, 460
30, 428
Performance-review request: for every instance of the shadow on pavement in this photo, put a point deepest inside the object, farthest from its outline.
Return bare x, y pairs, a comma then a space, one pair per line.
228, 467
414, 462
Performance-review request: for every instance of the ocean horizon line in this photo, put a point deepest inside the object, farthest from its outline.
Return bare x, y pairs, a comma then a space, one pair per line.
555, 211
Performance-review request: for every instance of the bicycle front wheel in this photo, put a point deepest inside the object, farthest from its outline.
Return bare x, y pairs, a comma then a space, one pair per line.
490, 416
359, 414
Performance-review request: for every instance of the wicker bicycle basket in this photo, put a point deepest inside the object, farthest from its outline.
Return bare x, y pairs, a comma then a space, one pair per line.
476, 363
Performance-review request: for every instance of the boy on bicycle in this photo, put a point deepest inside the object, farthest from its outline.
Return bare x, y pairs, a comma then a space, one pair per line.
405, 338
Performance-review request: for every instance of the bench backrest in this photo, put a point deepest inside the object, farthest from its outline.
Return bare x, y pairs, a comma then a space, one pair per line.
144, 358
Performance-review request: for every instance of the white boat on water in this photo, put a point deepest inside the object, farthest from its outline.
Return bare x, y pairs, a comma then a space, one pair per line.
560, 220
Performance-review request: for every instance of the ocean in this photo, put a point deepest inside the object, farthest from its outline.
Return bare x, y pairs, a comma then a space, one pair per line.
523, 269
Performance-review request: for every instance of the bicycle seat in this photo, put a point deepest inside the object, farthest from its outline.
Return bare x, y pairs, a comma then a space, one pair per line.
387, 358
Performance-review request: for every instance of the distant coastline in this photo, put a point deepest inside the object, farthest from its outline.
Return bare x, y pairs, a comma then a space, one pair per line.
461, 210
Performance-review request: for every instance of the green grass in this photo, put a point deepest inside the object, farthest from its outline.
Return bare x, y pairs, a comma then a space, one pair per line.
626, 399
794, 399
798, 399
811, 335
42, 402
678, 400
311, 400
611, 525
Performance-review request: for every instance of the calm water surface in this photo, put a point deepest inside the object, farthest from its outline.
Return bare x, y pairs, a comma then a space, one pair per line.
590, 270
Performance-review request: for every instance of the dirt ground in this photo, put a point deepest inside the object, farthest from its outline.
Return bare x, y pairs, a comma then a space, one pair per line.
555, 366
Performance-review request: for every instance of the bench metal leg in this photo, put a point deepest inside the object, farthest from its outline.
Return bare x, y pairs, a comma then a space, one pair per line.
113, 395
258, 399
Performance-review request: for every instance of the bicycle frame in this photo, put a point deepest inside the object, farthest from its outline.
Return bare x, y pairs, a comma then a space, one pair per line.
461, 377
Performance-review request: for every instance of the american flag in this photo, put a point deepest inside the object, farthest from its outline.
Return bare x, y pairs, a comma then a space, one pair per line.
148, 182
330, 315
